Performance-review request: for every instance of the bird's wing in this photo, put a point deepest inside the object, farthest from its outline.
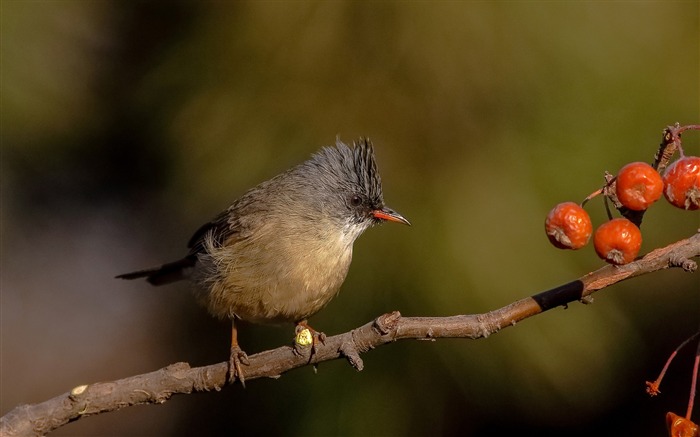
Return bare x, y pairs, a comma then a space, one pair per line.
238, 221
220, 229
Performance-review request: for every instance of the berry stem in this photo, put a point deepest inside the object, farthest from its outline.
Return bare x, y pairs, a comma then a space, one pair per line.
596, 193
688, 127
653, 387
693, 381
607, 207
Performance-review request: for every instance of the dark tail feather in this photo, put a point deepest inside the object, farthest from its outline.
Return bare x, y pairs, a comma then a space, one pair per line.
165, 274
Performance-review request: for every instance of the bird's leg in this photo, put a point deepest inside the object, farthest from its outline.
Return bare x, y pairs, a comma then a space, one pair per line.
237, 358
302, 333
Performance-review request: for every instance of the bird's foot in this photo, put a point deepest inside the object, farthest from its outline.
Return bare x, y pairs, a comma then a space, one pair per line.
237, 358
306, 336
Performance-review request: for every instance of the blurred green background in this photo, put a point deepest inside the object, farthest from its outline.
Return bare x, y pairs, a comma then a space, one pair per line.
125, 125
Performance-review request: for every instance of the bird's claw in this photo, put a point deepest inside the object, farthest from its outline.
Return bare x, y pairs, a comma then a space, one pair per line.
238, 357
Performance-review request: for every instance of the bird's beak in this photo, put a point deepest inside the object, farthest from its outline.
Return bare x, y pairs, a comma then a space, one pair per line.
390, 215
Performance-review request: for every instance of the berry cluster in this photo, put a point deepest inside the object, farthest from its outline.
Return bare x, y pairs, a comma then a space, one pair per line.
635, 188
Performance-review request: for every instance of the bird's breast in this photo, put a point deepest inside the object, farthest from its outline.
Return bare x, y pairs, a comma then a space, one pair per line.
276, 277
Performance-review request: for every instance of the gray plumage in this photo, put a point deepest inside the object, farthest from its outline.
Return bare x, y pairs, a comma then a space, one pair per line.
282, 250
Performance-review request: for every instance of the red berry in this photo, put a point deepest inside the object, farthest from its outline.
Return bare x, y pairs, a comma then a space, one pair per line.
568, 226
682, 183
638, 185
680, 426
617, 241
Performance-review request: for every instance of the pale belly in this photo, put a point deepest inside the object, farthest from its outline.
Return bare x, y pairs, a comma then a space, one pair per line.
251, 288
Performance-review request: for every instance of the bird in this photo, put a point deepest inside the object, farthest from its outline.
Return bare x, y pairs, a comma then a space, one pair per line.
281, 251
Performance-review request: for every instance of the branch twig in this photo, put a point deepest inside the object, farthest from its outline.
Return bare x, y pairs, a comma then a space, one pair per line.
179, 378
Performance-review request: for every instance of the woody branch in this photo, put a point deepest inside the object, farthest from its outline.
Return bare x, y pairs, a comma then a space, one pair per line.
179, 378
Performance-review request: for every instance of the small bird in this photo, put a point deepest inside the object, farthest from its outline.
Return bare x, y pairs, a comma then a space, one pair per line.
281, 252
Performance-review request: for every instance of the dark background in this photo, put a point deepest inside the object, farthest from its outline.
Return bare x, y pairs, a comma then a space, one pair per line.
125, 125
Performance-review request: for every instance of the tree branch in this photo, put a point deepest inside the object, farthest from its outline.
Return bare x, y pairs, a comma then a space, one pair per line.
179, 378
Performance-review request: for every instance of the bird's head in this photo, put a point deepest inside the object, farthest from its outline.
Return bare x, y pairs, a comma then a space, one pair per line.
349, 187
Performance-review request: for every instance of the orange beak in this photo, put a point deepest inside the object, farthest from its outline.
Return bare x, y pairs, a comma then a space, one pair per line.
390, 215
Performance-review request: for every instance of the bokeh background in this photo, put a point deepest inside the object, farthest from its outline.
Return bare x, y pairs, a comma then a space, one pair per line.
125, 125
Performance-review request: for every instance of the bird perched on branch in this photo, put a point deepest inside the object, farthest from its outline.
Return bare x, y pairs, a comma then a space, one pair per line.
281, 251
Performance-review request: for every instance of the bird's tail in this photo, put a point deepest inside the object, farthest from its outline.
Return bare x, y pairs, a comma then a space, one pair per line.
165, 274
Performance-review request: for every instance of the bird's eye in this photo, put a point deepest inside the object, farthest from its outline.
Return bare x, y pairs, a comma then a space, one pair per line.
355, 200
